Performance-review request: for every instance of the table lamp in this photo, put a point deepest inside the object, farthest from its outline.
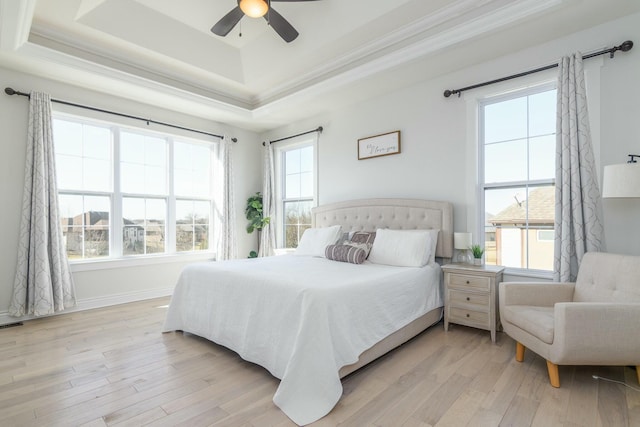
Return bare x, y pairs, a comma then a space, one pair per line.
462, 242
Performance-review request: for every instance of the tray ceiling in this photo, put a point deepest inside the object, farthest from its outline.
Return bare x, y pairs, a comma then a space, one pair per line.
162, 51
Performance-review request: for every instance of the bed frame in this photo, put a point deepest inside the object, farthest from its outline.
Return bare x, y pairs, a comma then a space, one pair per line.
399, 214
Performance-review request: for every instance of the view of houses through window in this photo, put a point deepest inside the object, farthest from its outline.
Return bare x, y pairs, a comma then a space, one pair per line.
517, 146
123, 192
298, 194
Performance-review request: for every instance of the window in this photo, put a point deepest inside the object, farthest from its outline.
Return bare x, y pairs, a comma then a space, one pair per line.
193, 188
125, 192
297, 192
85, 183
546, 235
517, 171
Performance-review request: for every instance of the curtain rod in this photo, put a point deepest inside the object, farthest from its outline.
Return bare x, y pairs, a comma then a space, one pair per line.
318, 129
624, 47
10, 91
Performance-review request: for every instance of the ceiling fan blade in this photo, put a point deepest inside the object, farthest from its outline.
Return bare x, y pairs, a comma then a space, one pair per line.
281, 26
228, 21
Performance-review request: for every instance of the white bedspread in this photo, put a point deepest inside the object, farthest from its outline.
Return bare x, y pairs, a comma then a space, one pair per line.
302, 318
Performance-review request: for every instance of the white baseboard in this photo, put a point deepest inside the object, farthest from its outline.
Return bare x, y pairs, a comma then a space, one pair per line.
91, 303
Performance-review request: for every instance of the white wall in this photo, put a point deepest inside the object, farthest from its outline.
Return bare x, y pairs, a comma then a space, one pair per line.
438, 159
620, 135
105, 286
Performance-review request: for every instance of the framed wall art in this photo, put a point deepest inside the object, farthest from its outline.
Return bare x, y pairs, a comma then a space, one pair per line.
384, 144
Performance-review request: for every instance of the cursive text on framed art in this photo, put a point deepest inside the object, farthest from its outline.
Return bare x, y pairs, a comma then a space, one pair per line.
379, 145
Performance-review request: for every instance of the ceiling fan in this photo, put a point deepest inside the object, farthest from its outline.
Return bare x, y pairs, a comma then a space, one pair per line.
257, 9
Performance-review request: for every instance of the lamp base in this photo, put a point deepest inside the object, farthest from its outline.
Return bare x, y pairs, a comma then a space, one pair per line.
464, 257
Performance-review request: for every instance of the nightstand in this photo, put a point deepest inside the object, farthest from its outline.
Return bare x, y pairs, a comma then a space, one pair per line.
471, 296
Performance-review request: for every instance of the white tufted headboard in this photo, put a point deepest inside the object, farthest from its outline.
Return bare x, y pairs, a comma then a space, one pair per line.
399, 214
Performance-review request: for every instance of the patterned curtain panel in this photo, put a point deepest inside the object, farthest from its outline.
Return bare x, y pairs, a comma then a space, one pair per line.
578, 222
43, 284
227, 243
267, 234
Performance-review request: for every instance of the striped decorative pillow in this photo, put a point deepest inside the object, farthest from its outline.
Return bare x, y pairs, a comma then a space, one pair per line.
363, 237
355, 253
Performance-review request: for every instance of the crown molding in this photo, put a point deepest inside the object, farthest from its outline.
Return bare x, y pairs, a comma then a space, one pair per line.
367, 50
488, 22
412, 41
489, 19
90, 54
15, 22
467, 19
38, 60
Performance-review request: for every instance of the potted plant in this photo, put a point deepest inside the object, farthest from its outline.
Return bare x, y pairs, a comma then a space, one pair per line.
477, 252
253, 212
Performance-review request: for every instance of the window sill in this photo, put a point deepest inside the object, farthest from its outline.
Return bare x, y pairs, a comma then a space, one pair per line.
105, 264
529, 274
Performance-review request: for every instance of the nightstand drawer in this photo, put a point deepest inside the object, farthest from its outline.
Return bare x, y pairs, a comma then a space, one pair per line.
468, 317
468, 281
461, 298
471, 296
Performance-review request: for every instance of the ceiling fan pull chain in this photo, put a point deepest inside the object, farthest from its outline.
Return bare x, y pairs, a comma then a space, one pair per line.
240, 27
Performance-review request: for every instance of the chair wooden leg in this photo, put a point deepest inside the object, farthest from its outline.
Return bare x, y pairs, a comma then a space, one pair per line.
519, 352
554, 377
638, 373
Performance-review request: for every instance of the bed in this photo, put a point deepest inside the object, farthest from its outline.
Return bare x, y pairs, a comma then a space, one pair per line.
308, 327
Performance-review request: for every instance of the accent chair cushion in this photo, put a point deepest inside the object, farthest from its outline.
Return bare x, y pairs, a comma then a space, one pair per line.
538, 321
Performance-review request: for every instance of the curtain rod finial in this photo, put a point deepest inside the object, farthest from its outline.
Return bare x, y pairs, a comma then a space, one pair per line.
9, 91
320, 129
626, 46
234, 139
448, 93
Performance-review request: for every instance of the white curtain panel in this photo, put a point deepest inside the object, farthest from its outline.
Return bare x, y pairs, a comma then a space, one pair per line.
226, 219
578, 213
43, 283
267, 234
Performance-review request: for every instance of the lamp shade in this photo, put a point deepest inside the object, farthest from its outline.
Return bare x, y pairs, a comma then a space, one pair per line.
621, 180
461, 240
254, 8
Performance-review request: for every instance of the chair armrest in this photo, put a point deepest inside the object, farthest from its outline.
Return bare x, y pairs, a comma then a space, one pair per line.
536, 293
596, 333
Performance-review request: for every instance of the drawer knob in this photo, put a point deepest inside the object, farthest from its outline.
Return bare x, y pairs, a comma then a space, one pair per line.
468, 299
467, 314
467, 282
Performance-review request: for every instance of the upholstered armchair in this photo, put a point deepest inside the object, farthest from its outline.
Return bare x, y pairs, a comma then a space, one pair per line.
594, 321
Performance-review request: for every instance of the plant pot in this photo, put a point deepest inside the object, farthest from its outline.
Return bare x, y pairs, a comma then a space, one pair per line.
477, 261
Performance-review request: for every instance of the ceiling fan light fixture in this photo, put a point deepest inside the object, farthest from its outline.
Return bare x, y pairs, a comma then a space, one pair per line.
254, 8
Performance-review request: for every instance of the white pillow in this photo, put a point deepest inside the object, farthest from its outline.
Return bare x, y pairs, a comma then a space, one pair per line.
434, 243
402, 248
315, 240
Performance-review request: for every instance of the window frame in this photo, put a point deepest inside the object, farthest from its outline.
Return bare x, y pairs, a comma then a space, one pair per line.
279, 153
482, 187
117, 258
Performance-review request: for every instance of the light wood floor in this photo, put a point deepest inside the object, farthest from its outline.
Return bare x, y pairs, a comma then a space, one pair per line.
112, 366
